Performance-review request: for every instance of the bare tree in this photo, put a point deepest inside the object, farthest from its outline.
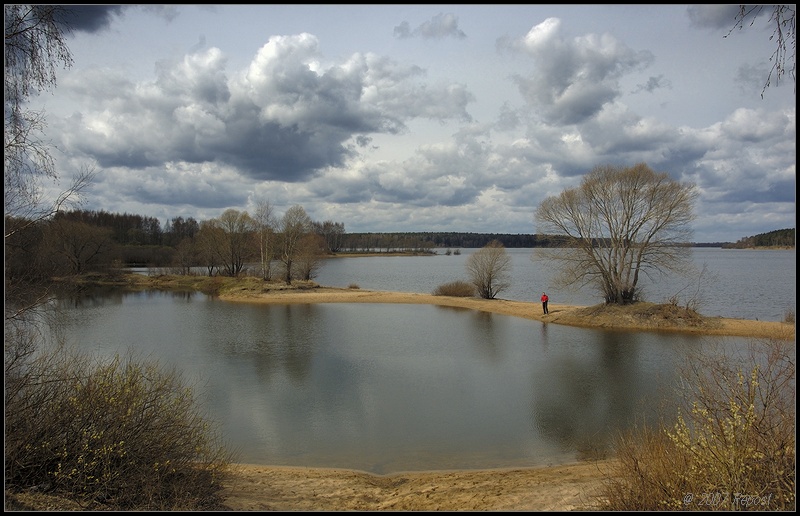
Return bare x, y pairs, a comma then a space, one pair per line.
34, 49
784, 32
237, 228
332, 232
265, 223
185, 256
294, 225
311, 249
209, 240
79, 245
489, 269
620, 222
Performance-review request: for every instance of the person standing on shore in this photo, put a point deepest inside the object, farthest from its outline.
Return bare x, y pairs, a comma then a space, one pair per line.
545, 299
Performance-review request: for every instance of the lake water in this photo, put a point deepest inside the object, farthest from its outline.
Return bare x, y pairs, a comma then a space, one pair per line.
387, 388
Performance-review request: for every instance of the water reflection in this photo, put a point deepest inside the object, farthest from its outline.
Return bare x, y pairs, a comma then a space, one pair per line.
543, 335
386, 388
590, 392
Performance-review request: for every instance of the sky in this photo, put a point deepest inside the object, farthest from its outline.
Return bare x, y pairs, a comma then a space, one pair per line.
412, 117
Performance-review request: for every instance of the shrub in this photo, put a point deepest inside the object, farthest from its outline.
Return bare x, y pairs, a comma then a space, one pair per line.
456, 289
122, 434
353, 286
731, 445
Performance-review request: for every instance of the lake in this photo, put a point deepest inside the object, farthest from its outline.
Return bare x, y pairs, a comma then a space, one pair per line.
389, 388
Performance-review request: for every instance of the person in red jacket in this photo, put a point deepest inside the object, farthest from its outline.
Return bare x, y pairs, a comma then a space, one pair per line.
545, 299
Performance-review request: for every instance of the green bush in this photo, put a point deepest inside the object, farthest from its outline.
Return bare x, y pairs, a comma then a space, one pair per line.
731, 445
120, 434
455, 289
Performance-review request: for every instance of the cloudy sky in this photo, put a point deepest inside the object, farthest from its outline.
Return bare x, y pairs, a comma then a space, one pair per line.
421, 117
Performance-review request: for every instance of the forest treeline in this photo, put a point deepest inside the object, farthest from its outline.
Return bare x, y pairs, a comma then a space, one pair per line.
777, 238
97, 239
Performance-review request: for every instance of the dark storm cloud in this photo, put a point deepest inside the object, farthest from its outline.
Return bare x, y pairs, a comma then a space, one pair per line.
97, 18
89, 18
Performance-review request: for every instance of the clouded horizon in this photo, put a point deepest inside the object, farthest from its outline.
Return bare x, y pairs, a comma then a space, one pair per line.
421, 117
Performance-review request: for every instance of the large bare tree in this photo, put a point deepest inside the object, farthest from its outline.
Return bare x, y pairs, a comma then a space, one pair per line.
620, 222
489, 268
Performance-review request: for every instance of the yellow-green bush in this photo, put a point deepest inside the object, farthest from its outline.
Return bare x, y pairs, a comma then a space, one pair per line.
125, 434
731, 445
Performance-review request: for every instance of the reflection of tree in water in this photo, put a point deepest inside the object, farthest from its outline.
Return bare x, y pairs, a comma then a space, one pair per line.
581, 401
481, 324
489, 343
300, 341
281, 337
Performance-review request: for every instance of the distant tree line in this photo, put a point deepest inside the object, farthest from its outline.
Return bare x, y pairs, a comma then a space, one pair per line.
80, 241
777, 238
425, 241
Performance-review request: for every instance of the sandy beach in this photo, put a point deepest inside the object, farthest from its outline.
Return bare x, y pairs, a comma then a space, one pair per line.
555, 488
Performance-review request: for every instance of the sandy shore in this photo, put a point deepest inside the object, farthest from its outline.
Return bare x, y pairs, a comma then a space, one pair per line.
559, 314
555, 488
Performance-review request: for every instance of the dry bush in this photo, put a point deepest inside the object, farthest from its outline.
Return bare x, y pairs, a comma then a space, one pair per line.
455, 289
731, 445
120, 434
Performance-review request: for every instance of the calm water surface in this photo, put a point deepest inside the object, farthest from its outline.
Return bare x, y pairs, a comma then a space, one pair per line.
386, 388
